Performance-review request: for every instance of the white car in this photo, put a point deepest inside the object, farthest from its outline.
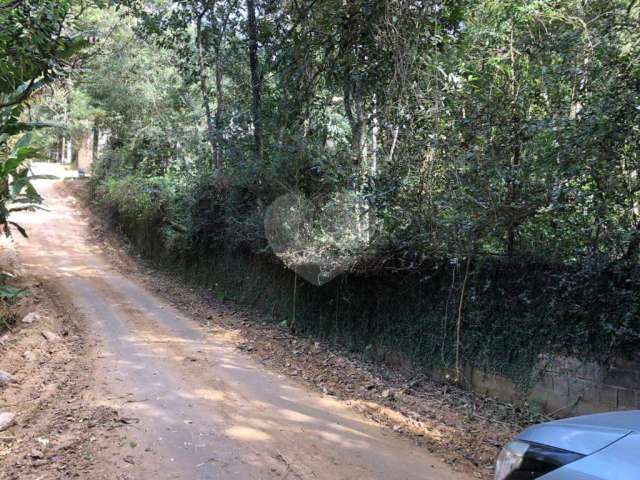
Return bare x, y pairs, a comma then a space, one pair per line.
604, 446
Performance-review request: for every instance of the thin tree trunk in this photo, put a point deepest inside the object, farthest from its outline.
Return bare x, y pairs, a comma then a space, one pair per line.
445, 318
513, 193
256, 79
94, 146
59, 148
219, 107
355, 114
66, 140
202, 69
69, 156
373, 167
459, 322
394, 142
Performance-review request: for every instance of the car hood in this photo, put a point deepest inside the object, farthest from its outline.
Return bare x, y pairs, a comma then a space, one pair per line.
586, 434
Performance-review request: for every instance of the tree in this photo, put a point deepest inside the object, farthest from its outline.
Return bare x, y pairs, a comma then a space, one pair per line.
197, 31
35, 48
256, 79
488, 128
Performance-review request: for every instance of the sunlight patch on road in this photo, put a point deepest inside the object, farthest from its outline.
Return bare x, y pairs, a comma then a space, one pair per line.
294, 416
209, 394
247, 434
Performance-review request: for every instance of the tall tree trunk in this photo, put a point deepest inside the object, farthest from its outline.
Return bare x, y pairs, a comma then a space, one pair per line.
394, 143
375, 129
513, 189
69, 156
66, 139
59, 147
256, 79
219, 106
354, 108
94, 145
202, 73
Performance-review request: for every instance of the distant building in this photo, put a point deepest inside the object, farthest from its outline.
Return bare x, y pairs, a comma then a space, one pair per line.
85, 154
82, 152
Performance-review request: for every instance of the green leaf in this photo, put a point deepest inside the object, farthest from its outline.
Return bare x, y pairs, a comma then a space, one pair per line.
24, 141
7, 292
21, 229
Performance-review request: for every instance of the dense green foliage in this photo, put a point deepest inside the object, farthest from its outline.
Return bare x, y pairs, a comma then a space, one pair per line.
492, 148
482, 128
38, 42
515, 309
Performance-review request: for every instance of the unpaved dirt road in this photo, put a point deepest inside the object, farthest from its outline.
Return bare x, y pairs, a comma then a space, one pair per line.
196, 407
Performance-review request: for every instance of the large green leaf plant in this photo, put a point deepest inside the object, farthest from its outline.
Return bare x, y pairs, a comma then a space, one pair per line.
17, 193
38, 43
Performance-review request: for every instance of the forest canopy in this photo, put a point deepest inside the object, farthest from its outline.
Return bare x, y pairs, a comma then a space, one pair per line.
484, 152
481, 128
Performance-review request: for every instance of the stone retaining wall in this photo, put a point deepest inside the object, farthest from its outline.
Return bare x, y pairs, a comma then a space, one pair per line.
568, 386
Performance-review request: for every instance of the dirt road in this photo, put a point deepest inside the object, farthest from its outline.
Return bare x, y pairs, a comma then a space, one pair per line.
197, 408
